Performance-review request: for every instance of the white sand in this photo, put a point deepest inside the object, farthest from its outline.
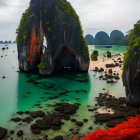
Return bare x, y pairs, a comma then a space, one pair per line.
101, 62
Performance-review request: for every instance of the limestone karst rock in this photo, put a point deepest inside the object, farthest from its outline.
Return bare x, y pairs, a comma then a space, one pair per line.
116, 37
56, 22
90, 39
102, 38
131, 67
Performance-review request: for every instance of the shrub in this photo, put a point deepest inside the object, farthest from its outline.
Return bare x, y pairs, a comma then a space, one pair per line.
24, 15
94, 55
41, 66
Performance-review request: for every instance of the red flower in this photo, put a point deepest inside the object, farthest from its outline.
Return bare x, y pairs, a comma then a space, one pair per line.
126, 130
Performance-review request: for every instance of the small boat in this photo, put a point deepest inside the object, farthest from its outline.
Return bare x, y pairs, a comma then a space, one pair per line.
108, 46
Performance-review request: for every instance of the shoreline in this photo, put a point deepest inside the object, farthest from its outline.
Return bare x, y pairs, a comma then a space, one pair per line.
102, 61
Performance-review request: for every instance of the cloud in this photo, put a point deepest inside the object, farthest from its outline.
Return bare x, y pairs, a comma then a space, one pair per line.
107, 15
95, 15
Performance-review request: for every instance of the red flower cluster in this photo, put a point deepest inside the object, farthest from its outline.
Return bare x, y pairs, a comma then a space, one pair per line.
124, 131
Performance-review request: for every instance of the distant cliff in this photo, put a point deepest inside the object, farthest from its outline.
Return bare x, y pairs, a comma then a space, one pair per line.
6, 42
90, 39
131, 67
56, 22
102, 38
116, 37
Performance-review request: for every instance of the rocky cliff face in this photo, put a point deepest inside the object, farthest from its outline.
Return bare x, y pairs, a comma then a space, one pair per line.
56, 22
131, 67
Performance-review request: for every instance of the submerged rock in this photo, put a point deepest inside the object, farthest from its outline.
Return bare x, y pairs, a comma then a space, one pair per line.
36, 114
16, 119
66, 47
3, 132
20, 133
119, 107
54, 120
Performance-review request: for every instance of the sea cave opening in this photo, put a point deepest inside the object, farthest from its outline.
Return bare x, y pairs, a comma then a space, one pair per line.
66, 61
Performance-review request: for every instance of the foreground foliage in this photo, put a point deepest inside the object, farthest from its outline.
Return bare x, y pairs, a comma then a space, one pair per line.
124, 131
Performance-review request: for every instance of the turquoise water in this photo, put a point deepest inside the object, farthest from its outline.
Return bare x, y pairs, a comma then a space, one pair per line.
114, 50
20, 92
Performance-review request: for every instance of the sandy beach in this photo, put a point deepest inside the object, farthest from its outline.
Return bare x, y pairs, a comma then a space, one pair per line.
101, 63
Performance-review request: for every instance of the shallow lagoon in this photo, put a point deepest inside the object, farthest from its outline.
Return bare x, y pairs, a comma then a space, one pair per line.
21, 92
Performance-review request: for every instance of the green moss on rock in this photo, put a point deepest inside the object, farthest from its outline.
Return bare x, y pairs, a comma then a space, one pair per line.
25, 34
32, 15
94, 55
41, 66
24, 15
65, 23
134, 41
66, 7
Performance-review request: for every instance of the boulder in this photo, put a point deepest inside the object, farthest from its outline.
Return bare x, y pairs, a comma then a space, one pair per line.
109, 54
110, 71
36, 114
20, 133
3, 132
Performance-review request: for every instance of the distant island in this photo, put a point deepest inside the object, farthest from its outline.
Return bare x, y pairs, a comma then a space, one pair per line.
7, 42
90, 39
102, 38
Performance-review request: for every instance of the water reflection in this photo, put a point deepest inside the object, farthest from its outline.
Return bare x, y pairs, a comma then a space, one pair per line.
64, 87
8, 86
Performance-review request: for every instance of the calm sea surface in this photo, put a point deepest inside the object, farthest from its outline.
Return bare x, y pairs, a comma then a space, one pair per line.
19, 91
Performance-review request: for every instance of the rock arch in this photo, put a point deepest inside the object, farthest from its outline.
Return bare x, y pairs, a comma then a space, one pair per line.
59, 23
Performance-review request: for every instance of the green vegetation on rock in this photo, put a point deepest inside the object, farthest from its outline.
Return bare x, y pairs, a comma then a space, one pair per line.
41, 66
65, 23
25, 34
32, 15
44, 11
47, 22
94, 55
24, 15
66, 7
48, 26
134, 41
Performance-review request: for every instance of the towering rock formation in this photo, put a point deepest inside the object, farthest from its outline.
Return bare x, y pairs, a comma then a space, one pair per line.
131, 67
116, 37
56, 22
102, 38
90, 39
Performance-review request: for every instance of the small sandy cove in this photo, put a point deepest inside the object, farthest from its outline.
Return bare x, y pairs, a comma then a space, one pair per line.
101, 63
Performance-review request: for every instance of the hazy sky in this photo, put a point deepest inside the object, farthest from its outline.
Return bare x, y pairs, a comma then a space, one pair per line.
95, 15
